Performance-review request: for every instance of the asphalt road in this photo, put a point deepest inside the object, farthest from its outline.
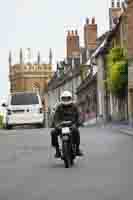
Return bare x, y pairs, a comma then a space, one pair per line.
28, 170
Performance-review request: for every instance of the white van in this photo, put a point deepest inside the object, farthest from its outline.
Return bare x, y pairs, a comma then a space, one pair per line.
24, 108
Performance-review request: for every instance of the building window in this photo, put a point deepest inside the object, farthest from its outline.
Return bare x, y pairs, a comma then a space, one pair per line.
36, 87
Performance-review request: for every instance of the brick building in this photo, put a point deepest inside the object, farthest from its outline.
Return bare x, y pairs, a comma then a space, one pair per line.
130, 58
93, 96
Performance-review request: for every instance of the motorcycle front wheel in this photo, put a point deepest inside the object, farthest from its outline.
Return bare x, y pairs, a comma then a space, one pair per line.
66, 155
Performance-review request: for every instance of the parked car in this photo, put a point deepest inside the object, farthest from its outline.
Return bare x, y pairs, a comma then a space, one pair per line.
24, 108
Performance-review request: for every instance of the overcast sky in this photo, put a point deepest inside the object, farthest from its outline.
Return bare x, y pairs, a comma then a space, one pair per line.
42, 24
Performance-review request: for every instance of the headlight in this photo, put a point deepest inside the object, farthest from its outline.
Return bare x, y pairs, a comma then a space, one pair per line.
41, 110
9, 112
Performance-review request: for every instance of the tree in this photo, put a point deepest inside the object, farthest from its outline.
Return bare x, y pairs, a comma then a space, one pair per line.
117, 71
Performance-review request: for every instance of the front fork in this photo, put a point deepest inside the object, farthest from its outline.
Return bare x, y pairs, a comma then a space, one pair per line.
71, 148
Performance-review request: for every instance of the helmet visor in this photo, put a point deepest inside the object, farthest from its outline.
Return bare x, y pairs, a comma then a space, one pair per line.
66, 99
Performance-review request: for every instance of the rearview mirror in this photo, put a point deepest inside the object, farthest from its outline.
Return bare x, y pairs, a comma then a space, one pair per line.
4, 105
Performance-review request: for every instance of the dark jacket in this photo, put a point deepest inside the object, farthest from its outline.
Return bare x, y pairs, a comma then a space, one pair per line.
66, 113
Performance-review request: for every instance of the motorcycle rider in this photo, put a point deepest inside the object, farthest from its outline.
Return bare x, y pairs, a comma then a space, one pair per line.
66, 110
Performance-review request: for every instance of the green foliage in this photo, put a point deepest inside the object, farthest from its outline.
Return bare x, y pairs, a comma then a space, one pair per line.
61, 72
1, 121
117, 71
83, 71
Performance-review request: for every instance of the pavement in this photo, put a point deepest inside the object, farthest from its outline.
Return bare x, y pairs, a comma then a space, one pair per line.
28, 170
122, 127
125, 129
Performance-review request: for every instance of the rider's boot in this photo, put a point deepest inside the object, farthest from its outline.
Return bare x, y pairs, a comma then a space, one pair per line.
79, 152
58, 153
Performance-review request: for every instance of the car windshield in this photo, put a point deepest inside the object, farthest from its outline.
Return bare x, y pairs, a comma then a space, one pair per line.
24, 99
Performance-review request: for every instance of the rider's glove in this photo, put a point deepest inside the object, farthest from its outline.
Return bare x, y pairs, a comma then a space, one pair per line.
74, 126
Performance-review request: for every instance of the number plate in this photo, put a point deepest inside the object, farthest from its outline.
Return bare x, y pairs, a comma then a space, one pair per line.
65, 137
65, 130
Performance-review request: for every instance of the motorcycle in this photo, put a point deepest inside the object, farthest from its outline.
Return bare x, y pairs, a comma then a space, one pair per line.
68, 150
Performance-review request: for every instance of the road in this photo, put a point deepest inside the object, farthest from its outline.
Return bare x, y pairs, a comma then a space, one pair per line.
28, 170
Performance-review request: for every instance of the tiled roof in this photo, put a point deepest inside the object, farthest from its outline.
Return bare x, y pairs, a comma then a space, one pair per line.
58, 81
86, 82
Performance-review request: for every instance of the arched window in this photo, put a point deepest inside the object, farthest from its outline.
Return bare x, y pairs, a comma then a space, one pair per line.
36, 87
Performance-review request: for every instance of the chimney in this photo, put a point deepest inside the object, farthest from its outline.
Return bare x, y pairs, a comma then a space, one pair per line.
118, 4
87, 20
113, 4
76, 32
93, 20
114, 12
72, 44
90, 34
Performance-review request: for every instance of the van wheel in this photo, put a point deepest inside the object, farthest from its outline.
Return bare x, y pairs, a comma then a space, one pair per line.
9, 127
40, 125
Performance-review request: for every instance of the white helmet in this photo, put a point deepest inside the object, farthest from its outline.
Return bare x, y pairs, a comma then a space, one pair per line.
66, 98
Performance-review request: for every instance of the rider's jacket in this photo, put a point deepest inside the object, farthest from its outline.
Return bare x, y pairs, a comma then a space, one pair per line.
66, 113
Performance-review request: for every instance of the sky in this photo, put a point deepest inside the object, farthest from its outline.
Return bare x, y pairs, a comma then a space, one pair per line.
41, 25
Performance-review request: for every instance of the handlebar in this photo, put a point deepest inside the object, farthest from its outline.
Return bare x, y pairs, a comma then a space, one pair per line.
63, 123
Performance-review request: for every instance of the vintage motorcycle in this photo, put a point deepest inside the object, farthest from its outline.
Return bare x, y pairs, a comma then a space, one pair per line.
68, 148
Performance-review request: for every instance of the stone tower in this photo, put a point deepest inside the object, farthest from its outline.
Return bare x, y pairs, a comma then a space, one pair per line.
90, 34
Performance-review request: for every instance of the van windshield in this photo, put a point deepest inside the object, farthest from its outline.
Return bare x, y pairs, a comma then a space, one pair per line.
24, 99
